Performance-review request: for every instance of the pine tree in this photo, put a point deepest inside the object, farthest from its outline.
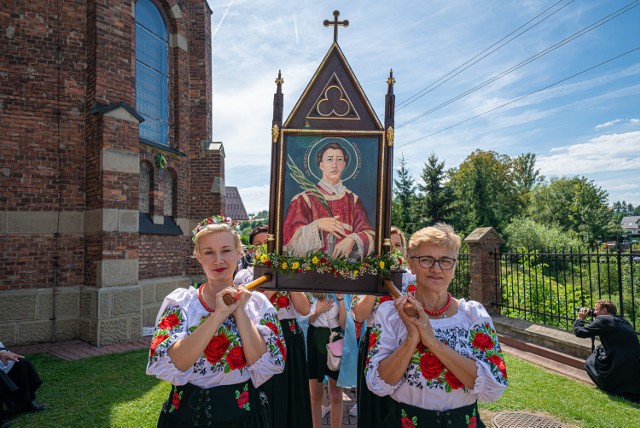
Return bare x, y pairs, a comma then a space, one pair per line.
435, 203
404, 196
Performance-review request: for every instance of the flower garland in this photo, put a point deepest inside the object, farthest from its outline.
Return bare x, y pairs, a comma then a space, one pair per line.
322, 263
161, 161
214, 220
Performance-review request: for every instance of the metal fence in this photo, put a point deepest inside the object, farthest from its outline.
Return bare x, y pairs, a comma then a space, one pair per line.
459, 286
548, 287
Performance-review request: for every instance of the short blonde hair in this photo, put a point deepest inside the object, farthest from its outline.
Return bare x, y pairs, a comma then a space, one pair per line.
215, 228
403, 241
440, 235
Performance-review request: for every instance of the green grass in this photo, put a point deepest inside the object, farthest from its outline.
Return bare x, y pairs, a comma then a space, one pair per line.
113, 391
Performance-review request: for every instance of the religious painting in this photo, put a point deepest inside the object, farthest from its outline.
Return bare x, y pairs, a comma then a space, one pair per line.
331, 194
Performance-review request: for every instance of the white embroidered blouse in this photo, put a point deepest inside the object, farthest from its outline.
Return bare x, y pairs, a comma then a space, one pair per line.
427, 383
222, 362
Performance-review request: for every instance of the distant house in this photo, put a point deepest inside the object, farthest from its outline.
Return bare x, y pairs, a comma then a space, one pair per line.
234, 207
631, 224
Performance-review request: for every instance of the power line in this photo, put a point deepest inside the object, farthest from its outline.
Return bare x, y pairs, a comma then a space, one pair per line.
520, 98
529, 60
452, 73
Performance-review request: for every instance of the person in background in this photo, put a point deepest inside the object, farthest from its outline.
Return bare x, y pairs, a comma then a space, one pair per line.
614, 366
437, 366
19, 381
328, 314
216, 354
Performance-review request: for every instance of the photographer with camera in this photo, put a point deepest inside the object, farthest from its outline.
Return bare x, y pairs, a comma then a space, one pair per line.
614, 366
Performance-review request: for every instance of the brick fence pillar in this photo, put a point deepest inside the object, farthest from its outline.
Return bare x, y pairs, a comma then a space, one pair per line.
483, 243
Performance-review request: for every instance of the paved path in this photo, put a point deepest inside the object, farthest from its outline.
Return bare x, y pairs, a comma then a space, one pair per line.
77, 349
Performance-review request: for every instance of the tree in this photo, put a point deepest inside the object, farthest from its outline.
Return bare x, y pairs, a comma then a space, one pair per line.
526, 177
484, 191
404, 196
575, 204
435, 204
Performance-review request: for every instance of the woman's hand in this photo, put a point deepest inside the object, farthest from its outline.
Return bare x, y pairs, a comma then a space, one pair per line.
423, 323
413, 333
323, 306
6, 356
222, 307
242, 297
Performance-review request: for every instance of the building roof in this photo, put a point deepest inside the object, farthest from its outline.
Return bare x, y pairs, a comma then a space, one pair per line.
234, 207
630, 222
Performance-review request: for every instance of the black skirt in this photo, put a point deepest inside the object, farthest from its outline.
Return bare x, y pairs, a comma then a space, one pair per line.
227, 406
403, 415
317, 340
18, 387
372, 409
288, 392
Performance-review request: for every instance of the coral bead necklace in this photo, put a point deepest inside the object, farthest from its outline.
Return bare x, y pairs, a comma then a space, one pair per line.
202, 302
442, 310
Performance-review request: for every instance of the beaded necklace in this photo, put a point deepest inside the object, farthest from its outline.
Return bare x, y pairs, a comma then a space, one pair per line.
202, 302
442, 310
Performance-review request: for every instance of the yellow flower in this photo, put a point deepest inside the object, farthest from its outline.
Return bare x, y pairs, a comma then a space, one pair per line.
284, 265
295, 265
263, 258
355, 272
308, 267
314, 260
381, 264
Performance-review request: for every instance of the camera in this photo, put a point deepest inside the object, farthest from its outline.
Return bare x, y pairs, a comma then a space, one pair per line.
589, 311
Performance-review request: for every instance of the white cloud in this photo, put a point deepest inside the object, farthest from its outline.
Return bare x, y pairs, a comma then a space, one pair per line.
255, 198
607, 124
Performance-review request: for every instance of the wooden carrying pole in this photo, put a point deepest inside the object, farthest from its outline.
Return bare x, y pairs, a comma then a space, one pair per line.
229, 299
409, 308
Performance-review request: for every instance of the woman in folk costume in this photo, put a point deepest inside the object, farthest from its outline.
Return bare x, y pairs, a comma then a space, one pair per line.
288, 392
437, 366
329, 315
372, 409
215, 355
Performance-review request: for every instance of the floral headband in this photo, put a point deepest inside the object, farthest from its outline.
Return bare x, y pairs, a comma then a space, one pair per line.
214, 220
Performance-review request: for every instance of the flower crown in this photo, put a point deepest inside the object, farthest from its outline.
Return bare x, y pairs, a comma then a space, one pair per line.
214, 220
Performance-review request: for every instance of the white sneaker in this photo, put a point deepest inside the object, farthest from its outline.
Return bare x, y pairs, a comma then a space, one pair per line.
353, 411
325, 410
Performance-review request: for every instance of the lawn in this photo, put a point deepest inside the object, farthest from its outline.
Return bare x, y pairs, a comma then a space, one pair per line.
113, 391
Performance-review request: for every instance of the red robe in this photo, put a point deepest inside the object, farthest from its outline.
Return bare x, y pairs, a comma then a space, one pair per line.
302, 235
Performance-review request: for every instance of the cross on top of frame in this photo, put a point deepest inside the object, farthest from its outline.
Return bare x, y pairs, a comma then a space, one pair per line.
335, 24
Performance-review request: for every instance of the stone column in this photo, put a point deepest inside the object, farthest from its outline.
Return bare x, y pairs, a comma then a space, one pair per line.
484, 243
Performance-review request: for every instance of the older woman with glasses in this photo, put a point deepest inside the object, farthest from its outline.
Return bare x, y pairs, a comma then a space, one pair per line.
437, 366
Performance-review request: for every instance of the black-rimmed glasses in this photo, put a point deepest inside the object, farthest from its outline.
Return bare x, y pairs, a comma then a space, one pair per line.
427, 262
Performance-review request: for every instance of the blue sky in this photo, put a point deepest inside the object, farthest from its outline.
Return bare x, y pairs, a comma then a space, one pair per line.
587, 125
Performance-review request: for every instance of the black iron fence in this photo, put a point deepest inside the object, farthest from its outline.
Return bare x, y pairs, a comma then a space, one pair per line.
548, 287
459, 286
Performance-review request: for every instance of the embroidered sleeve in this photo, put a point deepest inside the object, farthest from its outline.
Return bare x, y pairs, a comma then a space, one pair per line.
492, 372
382, 343
171, 327
272, 361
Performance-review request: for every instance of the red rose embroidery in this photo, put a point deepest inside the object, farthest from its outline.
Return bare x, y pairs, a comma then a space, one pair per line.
283, 349
499, 362
216, 348
243, 399
483, 342
235, 358
283, 302
373, 338
169, 322
407, 423
385, 299
412, 288
430, 366
421, 348
472, 422
272, 327
452, 380
157, 341
175, 400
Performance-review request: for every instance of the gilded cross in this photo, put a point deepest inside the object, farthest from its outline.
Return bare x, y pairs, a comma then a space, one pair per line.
335, 24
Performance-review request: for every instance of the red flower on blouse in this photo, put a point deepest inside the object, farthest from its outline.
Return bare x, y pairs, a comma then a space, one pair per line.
406, 423
216, 348
243, 399
169, 322
452, 380
283, 302
235, 358
412, 288
373, 338
157, 341
472, 422
283, 349
430, 366
499, 362
175, 400
272, 327
385, 299
483, 342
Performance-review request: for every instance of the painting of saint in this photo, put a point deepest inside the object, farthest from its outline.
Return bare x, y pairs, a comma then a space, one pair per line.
327, 215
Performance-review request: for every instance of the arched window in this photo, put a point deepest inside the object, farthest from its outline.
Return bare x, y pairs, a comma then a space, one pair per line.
152, 72
145, 196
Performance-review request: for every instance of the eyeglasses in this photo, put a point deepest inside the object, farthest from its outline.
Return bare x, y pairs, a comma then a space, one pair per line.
427, 262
